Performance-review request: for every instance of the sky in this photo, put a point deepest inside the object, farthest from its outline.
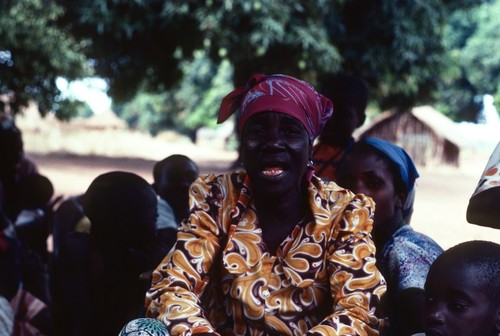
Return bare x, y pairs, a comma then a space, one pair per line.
91, 90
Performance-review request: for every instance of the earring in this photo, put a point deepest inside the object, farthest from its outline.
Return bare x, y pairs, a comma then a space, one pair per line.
310, 171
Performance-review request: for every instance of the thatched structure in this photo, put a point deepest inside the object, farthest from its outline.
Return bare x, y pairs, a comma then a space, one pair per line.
428, 136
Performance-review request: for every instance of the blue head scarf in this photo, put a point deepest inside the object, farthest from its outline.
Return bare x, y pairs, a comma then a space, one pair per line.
407, 170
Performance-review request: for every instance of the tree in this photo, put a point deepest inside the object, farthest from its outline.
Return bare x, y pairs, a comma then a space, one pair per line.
473, 64
142, 45
34, 51
151, 47
270, 36
189, 105
137, 45
480, 55
396, 46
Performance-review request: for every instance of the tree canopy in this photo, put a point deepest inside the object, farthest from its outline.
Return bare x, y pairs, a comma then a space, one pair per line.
471, 39
34, 51
409, 52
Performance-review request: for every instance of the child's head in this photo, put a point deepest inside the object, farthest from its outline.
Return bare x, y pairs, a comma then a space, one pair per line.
350, 97
463, 291
172, 178
36, 191
122, 209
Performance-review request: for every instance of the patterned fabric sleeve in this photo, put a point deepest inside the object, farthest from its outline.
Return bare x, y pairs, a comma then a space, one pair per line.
354, 279
483, 208
179, 281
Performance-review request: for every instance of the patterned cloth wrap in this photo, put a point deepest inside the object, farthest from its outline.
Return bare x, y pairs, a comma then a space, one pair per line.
491, 174
144, 327
278, 93
484, 204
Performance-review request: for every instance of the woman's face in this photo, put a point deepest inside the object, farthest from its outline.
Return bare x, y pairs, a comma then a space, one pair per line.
457, 305
366, 172
275, 151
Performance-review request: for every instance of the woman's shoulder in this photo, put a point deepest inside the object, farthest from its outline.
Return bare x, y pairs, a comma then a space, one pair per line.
331, 190
407, 244
348, 212
325, 186
407, 257
407, 236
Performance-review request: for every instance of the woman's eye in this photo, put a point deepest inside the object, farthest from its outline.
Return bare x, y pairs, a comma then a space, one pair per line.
374, 183
255, 132
458, 307
292, 131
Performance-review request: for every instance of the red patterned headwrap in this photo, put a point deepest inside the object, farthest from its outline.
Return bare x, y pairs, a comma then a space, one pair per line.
279, 93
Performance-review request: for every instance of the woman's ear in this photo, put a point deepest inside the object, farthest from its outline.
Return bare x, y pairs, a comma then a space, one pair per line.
399, 200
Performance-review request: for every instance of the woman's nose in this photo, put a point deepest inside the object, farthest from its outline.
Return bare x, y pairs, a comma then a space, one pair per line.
435, 314
273, 139
359, 187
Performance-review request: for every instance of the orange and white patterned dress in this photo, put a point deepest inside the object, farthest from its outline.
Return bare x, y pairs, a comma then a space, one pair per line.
484, 204
221, 279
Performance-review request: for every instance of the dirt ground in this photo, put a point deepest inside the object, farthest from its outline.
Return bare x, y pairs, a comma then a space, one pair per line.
441, 199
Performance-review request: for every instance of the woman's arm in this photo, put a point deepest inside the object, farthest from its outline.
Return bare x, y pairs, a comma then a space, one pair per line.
355, 282
181, 278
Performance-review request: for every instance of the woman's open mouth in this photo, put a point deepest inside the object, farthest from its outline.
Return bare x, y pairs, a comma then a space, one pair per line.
272, 171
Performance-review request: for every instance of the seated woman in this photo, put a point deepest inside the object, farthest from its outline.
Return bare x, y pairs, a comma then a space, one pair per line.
271, 249
385, 172
463, 291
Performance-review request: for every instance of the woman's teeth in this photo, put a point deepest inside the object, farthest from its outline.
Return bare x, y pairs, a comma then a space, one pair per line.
272, 171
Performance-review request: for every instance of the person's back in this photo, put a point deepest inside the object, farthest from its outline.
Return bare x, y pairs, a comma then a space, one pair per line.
65, 220
350, 97
463, 291
100, 272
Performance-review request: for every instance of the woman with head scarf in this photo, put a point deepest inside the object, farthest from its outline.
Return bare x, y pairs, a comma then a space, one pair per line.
387, 174
271, 249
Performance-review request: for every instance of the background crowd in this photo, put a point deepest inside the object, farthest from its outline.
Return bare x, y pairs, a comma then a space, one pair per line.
273, 231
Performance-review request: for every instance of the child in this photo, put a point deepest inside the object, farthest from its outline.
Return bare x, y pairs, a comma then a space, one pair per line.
350, 97
172, 178
387, 174
463, 291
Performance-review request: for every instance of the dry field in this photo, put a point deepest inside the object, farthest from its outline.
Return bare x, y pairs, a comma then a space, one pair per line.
71, 158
